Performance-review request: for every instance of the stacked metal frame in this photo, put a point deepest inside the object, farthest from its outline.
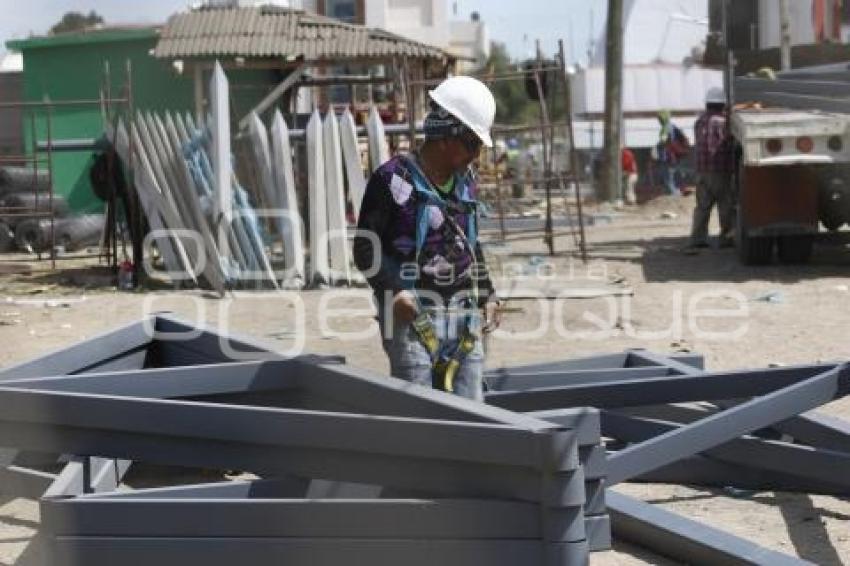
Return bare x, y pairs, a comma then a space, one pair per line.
669, 420
357, 467
425, 477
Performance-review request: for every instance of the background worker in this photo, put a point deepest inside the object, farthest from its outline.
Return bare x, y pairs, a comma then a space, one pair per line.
673, 146
630, 175
714, 163
424, 262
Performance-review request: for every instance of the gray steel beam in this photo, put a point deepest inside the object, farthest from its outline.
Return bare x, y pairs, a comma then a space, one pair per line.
692, 542
173, 382
595, 498
704, 471
284, 487
514, 380
696, 386
24, 482
802, 102
603, 361
822, 431
552, 449
83, 355
375, 393
598, 531
108, 551
440, 456
123, 348
722, 427
593, 461
598, 362
583, 420
810, 86
815, 465
303, 518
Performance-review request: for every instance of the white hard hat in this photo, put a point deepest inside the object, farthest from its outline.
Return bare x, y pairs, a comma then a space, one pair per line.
715, 95
470, 101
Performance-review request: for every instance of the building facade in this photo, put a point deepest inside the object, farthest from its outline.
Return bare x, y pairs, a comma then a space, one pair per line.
73, 66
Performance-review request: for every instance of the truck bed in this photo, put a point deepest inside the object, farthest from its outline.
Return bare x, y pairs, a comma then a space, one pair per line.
752, 127
766, 123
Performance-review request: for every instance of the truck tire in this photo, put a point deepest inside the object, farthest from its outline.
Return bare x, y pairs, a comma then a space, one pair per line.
831, 222
795, 249
753, 250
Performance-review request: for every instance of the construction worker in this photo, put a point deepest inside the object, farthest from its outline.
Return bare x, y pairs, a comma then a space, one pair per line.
418, 246
673, 146
714, 162
630, 175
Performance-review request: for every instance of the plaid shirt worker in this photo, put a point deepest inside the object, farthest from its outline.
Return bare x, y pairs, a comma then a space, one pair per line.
713, 143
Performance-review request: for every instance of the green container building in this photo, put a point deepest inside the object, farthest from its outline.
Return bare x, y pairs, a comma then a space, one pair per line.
72, 66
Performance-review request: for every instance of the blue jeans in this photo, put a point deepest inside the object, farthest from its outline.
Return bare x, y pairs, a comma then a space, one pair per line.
410, 361
668, 173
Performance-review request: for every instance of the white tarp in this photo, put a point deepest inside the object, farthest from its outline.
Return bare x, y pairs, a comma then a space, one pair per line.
647, 88
639, 132
659, 31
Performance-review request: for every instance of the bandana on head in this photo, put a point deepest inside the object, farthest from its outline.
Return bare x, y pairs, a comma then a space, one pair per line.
440, 123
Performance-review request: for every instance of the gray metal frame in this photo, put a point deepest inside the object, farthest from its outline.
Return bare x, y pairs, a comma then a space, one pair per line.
696, 442
357, 467
303, 418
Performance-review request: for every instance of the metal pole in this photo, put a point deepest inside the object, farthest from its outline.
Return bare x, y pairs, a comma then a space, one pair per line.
35, 162
409, 102
136, 232
574, 164
785, 32
499, 202
612, 174
548, 238
50, 192
113, 201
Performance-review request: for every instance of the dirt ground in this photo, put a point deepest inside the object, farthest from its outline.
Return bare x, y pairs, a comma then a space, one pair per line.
768, 315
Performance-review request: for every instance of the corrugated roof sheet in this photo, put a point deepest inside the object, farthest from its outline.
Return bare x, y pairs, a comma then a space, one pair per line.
270, 31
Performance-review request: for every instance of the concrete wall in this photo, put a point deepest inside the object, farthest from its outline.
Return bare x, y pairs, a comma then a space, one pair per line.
75, 72
420, 20
469, 40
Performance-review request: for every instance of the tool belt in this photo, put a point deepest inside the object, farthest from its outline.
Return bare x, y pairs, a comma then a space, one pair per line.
446, 358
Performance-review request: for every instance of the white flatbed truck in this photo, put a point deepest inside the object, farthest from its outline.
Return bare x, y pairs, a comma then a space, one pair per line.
793, 157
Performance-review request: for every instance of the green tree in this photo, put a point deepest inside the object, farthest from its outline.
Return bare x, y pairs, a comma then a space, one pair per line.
513, 105
74, 21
